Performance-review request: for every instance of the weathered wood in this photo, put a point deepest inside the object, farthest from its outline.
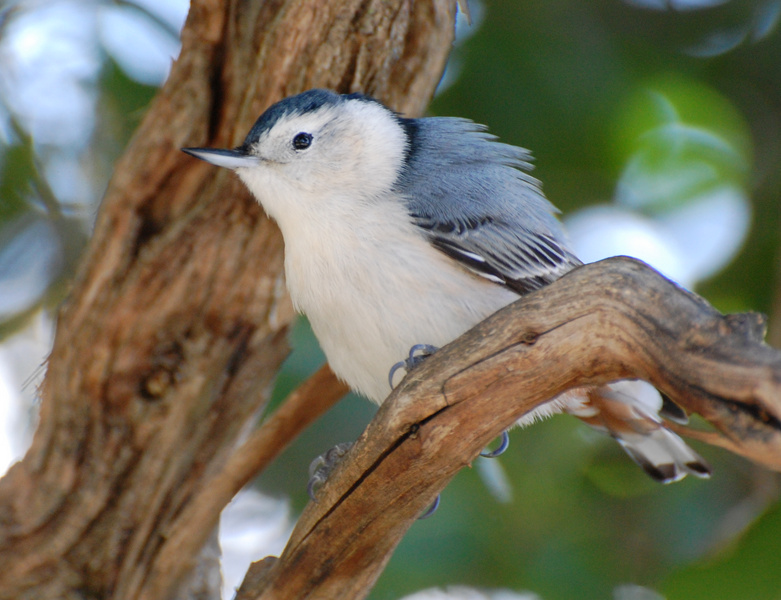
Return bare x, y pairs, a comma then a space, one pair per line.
602, 322
176, 325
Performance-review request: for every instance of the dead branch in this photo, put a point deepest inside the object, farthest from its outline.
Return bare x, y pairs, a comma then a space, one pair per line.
602, 322
176, 325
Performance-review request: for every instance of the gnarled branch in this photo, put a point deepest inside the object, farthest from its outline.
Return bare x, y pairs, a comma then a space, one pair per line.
612, 320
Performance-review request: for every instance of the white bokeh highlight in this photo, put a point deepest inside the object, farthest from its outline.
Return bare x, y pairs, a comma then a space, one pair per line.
252, 527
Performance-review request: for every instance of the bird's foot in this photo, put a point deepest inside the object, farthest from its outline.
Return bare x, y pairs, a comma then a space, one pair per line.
322, 466
417, 354
500, 449
431, 509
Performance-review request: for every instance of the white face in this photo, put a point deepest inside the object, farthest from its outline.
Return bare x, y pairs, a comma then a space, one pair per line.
326, 161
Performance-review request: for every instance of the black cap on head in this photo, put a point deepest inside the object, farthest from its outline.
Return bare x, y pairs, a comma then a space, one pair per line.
303, 103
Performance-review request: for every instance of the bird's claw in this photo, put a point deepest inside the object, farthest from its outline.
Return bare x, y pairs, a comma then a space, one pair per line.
500, 449
399, 365
431, 509
322, 466
417, 354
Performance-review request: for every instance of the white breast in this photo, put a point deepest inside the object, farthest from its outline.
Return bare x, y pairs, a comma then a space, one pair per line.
371, 290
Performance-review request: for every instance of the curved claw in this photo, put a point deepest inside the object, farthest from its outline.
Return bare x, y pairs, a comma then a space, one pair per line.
500, 449
399, 365
321, 467
431, 509
417, 353
424, 349
312, 486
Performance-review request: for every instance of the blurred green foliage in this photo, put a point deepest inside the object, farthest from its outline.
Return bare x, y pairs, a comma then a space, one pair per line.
684, 135
570, 80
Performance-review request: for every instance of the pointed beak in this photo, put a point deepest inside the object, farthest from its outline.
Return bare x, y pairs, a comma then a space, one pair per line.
230, 159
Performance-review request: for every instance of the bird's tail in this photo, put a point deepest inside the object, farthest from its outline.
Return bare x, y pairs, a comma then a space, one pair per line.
629, 412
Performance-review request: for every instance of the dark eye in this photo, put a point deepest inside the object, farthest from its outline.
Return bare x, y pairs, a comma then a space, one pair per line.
302, 141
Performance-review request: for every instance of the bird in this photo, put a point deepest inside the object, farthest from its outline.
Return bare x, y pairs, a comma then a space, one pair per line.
405, 231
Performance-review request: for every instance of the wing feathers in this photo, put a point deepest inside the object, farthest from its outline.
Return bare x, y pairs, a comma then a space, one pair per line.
474, 200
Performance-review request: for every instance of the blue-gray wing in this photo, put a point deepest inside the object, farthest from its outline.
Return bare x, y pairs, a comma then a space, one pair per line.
475, 201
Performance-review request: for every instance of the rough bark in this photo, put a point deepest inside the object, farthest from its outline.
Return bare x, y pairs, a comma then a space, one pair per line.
168, 344
612, 320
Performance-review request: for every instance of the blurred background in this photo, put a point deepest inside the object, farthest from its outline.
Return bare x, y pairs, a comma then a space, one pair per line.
656, 126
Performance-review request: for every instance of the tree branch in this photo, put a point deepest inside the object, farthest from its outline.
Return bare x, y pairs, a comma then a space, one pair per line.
611, 320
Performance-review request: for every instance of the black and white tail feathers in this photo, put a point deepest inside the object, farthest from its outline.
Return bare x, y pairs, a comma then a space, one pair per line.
629, 412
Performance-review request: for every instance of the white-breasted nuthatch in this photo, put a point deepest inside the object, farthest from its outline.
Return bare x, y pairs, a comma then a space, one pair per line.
405, 231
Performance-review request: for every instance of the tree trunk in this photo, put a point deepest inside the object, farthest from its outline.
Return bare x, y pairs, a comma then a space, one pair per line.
169, 342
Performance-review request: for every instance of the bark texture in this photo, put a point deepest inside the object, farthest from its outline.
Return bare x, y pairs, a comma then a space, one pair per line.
169, 342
